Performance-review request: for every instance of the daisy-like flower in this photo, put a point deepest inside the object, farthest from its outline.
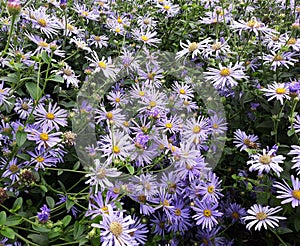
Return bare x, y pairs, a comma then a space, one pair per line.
262, 217
210, 189
112, 117
80, 44
103, 65
218, 124
172, 124
69, 76
244, 141
193, 48
225, 76
84, 12
278, 91
43, 137
23, 107
296, 151
51, 116
216, 49
115, 229
46, 23
41, 159
290, 195
146, 22
168, 8
266, 162
116, 145
276, 60
196, 130
206, 214
146, 37
4, 95
184, 91
99, 175
253, 25
42, 43
98, 41
235, 212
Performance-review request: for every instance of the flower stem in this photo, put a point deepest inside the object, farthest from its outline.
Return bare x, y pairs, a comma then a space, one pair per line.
9, 35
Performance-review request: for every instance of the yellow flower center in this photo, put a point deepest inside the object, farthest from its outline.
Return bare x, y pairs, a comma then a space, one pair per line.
50, 116
182, 91
247, 141
210, 189
225, 72
44, 136
13, 168
142, 93
43, 44
118, 30
109, 115
152, 104
196, 129
102, 64
116, 149
215, 126
105, 209
265, 159
1, 90
84, 13
207, 212
280, 90
40, 159
216, 46
166, 203
101, 173
193, 46
252, 23
296, 194
169, 125
67, 72
147, 21
25, 106
144, 38
142, 198
261, 215
151, 76
292, 41
97, 38
167, 7
117, 100
177, 212
70, 27
278, 58
119, 20
42, 22
116, 228
235, 215
275, 38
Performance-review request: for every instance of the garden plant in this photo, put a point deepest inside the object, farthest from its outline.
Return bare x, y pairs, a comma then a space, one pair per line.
158, 122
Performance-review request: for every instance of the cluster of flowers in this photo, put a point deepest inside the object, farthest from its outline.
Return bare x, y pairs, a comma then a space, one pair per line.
148, 125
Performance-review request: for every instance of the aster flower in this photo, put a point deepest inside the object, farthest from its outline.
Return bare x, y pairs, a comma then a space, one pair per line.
290, 195
50, 117
115, 229
84, 12
184, 91
172, 124
112, 117
12, 169
209, 189
98, 41
41, 43
206, 214
278, 91
266, 162
41, 159
146, 37
235, 212
80, 44
69, 76
209, 237
160, 223
44, 215
244, 141
43, 137
23, 107
262, 217
140, 234
276, 60
99, 174
4, 95
216, 49
146, 22
193, 48
168, 8
225, 76
103, 65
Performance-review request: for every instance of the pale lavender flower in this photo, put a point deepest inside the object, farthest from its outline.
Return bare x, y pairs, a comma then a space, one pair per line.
278, 91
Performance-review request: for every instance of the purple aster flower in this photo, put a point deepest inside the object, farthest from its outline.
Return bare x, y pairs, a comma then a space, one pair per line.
160, 223
41, 159
290, 195
244, 141
23, 107
208, 237
210, 189
206, 214
4, 95
115, 229
12, 169
44, 215
296, 151
235, 212
73, 209
51, 116
140, 235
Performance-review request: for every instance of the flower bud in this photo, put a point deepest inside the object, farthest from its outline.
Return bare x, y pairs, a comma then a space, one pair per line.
14, 7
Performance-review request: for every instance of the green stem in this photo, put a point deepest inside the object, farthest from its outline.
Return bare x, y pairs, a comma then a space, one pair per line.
9, 35
279, 238
25, 240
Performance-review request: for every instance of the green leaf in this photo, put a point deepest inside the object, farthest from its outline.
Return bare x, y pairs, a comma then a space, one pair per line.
69, 204
43, 188
59, 172
34, 90
17, 204
21, 138
24, 157
78, 230
13, 220
2, 217
297, 223
40, 228
45, 57
50, 201
40, 239
283, 230
290, 132
56, 78
76, 166
66, 220
130, 169
8, 232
